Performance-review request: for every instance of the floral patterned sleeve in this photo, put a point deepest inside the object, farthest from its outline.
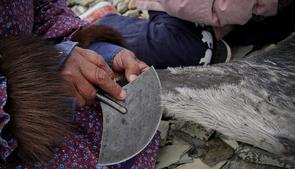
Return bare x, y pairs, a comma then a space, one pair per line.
8, 144
54, 20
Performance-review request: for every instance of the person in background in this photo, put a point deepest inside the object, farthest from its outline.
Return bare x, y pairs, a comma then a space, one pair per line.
184, 32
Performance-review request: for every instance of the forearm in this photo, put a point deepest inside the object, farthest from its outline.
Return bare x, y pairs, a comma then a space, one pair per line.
107, 50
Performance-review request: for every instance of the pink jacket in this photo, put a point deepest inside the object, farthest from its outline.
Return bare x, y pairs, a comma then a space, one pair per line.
221, 14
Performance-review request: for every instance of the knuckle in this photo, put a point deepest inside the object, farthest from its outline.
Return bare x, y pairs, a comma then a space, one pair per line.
129, 53
100, 75
100, 64
97, 59
66, 73
93, 55
117, 89
92, 94
88, 51
81, 89
91, 52
114, 90
85, 91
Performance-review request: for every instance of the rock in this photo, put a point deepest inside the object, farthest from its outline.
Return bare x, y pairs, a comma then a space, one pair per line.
78, 9
96, 2
171, 154
240, 164
191, 133
185, 159
116, 2
72, 2
269, 47
122, 7
232, 143
132, 4
164, 128
198, 146
132, 13
198, 164
97, 11
217, 151
86, 2
192, 128
178, 141
255, 155
144, 14
240, 52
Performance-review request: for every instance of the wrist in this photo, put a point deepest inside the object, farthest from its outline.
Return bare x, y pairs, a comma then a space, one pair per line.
66, 47
107, 50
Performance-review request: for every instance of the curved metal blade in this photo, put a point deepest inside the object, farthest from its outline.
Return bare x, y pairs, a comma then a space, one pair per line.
125, 135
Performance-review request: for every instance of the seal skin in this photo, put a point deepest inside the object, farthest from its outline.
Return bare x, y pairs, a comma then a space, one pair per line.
251, 100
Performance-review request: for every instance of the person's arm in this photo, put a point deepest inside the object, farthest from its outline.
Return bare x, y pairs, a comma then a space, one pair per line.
219, 12
84, 69
54, 20
90, 67
107, 50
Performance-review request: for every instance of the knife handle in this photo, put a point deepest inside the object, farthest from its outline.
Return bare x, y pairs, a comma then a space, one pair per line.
110, 101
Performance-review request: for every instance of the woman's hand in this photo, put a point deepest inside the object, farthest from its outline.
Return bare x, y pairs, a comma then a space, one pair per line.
125, 61
85, 69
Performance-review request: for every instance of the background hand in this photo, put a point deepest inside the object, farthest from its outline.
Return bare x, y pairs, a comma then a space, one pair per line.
125, 61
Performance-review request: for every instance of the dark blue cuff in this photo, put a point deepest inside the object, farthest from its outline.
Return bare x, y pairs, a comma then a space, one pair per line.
66, 47
107, 50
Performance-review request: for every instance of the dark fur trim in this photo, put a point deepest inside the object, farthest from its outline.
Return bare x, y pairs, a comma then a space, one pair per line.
96, 33
38, 101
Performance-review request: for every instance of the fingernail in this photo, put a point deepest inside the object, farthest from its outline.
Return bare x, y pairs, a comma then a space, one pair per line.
123, 94
132, 77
